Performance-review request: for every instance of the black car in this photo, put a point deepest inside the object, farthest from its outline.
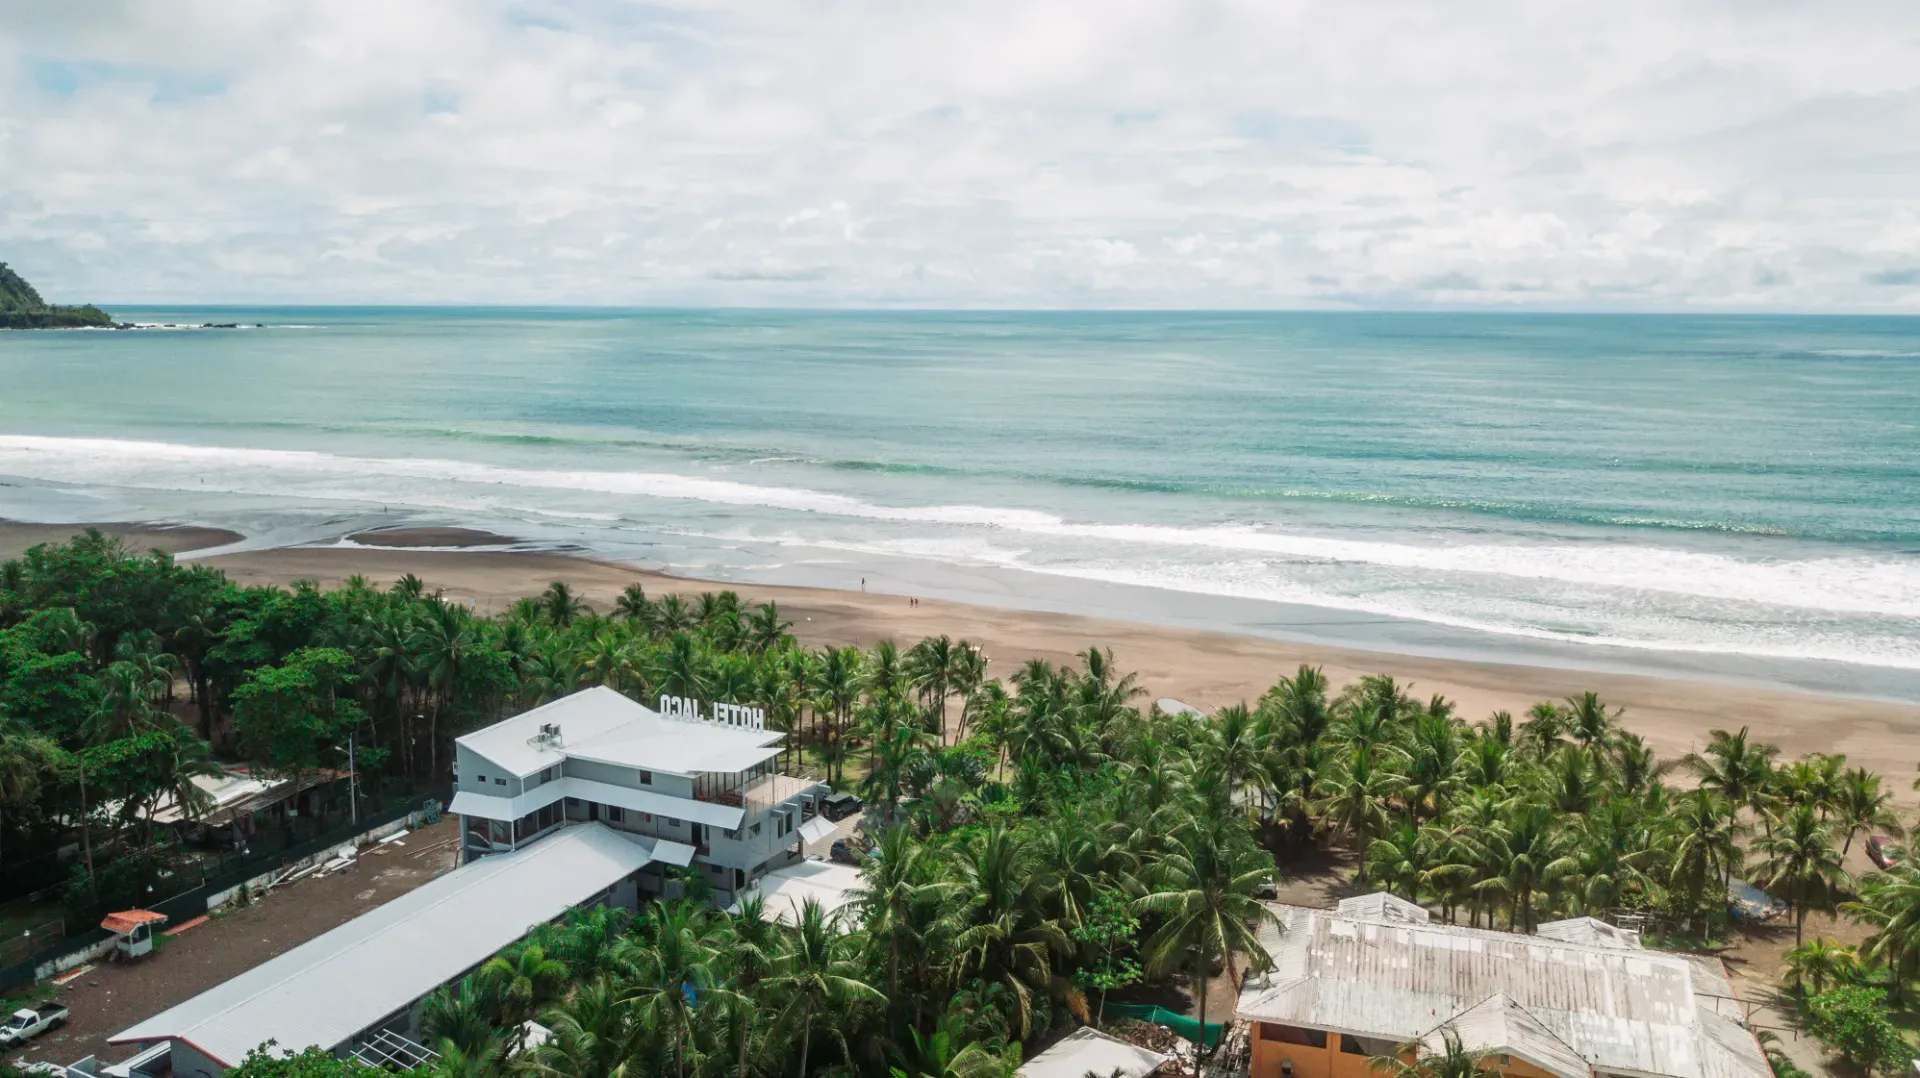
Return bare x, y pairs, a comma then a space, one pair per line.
840, 806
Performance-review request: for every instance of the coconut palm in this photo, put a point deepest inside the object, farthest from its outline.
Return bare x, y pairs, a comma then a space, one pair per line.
818, 971
664, 969
1204, 890
1860, 806
1802, 865
1524, 857
1416, 1059
1815, 963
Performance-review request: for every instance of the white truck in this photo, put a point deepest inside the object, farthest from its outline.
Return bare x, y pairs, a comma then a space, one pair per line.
29, 1022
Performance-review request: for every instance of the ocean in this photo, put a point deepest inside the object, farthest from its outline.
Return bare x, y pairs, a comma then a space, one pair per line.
1715, 496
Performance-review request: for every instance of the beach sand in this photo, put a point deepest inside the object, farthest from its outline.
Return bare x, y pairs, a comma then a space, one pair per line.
1201, 668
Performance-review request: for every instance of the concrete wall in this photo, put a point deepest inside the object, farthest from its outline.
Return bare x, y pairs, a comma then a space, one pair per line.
629, 777
1269, 1054
190, 1062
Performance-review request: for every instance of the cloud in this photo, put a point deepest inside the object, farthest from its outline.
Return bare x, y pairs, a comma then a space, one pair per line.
1688, 154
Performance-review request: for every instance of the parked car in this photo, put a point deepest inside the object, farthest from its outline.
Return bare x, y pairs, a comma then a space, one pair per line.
842, 851
29, 1022
840, 806
1882, 851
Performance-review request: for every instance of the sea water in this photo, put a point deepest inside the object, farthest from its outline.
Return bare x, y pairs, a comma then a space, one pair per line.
1718, 495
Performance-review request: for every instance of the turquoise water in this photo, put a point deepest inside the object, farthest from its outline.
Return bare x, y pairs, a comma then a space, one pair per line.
1733, 494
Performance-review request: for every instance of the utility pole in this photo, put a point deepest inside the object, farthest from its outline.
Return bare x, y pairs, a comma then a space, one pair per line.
86, 832
353, 782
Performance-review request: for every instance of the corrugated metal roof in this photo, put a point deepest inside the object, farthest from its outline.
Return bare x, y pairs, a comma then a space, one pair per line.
1498, 1024
1589, 930
1381, 906
1621, 1008
337, 984
601, 724
488, 806
1088, 1051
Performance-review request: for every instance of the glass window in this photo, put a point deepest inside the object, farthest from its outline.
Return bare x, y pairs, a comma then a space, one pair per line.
646, 778
613, 813
499, 781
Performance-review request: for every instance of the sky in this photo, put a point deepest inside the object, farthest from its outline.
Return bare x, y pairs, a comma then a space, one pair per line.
1671, 155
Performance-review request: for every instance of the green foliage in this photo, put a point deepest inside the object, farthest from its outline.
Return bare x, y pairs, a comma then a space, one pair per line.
1853, 1021
1109, 935
22, 308
293, 717
268, 1062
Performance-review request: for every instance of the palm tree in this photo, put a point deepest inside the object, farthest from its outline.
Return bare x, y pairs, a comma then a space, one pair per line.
1416, 1059
1353, 798
560, 604
1860, 806
1802, 865
1889, 902
1527, 855
1002, 934
766, 630
751, 947
1589, 721
634, 606
1705, 849
522, 981
1736, 768
818, 971
1206, 894
1812, 964
664, 969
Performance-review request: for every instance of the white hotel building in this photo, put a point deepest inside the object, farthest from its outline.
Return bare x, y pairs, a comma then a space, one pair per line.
689, 786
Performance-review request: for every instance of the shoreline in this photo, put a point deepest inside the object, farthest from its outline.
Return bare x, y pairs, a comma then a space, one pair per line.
1202, 667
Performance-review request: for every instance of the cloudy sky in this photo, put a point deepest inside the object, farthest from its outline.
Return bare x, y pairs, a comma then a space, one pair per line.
1762, 154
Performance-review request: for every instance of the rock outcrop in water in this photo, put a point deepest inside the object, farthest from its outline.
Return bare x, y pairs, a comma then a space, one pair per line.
22, 308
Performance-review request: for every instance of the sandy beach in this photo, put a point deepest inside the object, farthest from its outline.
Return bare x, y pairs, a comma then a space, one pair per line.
1201, 668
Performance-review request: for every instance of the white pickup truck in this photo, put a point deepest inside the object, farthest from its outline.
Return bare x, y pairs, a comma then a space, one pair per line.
29, 1022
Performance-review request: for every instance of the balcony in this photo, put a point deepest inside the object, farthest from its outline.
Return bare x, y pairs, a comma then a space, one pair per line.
761, 794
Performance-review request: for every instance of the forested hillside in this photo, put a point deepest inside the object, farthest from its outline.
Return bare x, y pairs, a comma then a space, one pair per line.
22, 308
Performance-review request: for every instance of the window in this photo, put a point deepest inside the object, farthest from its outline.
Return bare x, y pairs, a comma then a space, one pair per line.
499, 781
754, 830
1351, 1046
573, 802
646, 817
1274, 1031
613, 813
482, 778
646, 778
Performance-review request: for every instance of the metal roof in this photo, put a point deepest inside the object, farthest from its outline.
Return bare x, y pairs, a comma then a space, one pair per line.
1498, 1024
494, 807
1088, 1051
1589, 930
787, 890
601, 724
334, 986
1621, 1008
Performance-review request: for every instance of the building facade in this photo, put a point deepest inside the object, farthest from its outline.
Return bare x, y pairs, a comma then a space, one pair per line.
1577, 999
699, 784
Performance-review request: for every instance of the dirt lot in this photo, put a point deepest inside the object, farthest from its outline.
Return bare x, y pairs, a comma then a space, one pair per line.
112, 996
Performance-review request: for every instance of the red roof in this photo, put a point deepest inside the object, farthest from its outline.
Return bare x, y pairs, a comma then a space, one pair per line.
127, 920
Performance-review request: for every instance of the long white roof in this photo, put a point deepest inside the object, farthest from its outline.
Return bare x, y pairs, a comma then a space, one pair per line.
601, 724
495, 807
1088, 1051
787, 890
326, 990
1372, 969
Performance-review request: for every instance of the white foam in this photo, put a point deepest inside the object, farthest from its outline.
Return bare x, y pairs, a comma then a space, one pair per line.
1885, 586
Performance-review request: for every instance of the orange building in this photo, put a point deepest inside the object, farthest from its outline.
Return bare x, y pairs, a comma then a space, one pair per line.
1580, 999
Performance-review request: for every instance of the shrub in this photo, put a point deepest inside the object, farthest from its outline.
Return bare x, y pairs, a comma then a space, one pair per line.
1853, 1021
